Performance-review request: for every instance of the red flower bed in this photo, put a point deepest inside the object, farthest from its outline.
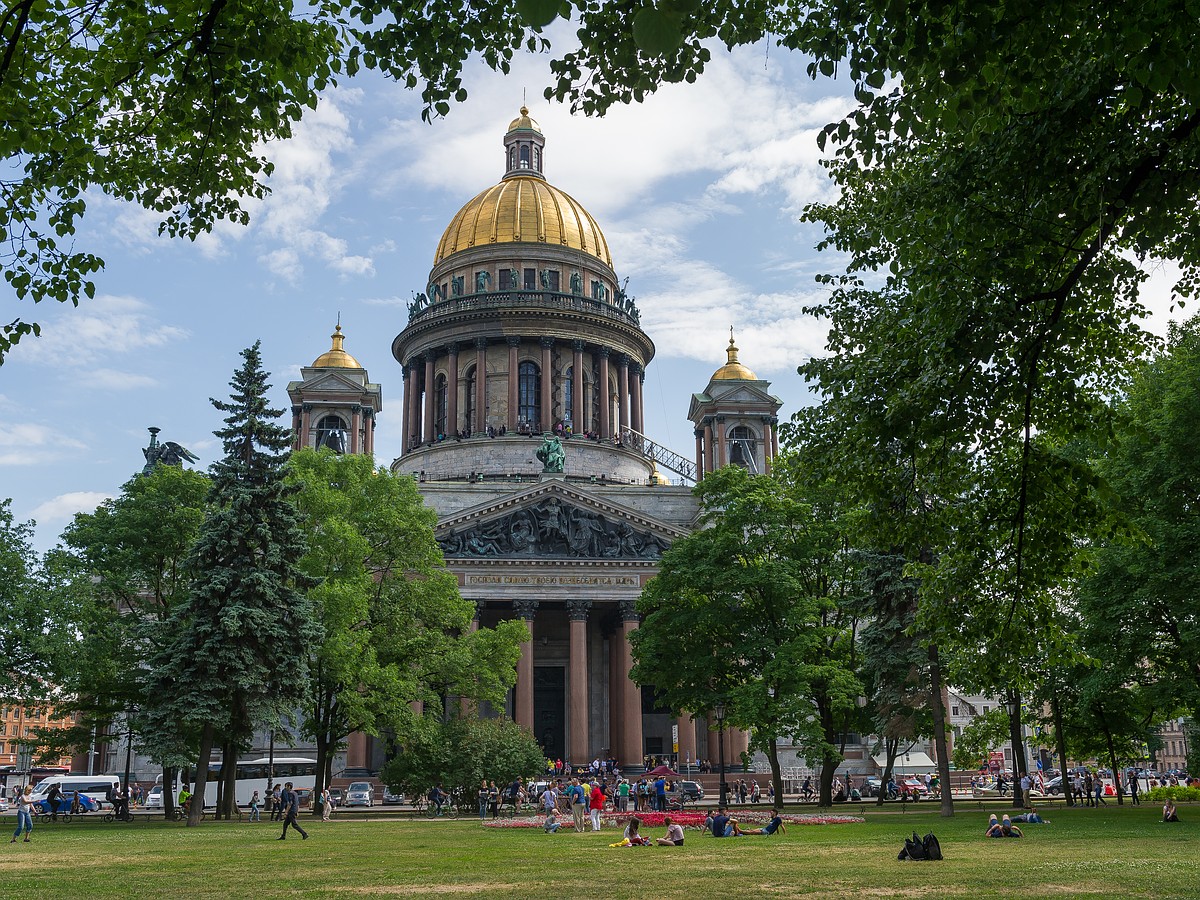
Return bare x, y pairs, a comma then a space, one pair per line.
686, 819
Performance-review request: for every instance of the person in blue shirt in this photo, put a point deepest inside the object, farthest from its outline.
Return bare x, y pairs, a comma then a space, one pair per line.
720, 824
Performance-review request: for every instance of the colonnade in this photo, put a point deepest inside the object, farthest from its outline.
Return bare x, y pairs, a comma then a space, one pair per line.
422, 389
625, 710
360, 428
712, 441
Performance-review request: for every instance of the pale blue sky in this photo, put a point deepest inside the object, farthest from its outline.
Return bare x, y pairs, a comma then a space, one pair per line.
698, 191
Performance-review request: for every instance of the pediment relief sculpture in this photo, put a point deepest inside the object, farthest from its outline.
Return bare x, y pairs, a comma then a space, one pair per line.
552, 528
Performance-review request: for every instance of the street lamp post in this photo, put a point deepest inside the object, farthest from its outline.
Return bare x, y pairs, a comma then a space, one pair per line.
719, 712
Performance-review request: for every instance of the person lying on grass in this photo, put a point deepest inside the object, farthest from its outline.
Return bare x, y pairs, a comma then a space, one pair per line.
1002, 829
776, 824
1031, 817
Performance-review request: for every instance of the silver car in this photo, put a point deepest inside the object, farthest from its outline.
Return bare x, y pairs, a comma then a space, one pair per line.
360, 793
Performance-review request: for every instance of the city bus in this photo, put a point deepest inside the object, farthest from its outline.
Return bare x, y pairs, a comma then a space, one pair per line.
253, 775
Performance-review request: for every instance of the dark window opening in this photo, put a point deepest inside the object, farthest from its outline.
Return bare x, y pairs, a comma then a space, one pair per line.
529, 393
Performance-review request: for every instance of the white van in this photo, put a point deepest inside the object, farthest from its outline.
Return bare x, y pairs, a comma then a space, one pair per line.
94, 786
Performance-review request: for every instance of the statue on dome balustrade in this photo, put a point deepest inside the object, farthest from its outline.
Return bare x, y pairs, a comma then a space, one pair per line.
483, 281
514, 280
576, 283
456, 285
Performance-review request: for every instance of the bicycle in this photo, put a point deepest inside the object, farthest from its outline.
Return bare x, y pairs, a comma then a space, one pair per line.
111, 816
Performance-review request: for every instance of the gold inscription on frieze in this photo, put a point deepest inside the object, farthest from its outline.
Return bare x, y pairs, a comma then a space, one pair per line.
557, 580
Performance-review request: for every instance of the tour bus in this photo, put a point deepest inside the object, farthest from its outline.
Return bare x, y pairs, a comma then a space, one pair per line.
94, 786
252, 775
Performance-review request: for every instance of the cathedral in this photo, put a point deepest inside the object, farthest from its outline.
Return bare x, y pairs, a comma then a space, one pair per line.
524, 335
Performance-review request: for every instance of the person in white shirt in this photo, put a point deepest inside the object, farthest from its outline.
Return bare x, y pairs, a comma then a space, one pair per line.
674, 836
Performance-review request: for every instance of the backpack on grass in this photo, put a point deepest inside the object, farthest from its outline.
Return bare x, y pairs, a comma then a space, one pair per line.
919, 848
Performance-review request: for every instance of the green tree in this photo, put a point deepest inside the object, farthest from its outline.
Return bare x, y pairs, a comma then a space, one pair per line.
23, 623
895, 657
983, 734
132, 551
237, 654
1140, 604
395, 628
749, 610
460, 754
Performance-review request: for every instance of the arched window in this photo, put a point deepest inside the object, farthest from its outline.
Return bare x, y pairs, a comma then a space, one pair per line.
537, 159
743, 448
524, 156
468, 424
331, 433
512, 157
439, 407
529, 394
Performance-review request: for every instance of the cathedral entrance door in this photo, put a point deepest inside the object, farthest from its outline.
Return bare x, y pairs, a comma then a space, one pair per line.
549, 709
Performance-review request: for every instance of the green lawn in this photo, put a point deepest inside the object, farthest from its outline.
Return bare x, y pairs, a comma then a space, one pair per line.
1109, 852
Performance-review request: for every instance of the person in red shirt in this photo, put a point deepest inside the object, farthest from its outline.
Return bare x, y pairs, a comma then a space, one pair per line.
596, 804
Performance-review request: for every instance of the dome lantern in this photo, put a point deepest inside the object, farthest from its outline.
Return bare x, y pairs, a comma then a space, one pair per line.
524, 147
336, 357
733, 370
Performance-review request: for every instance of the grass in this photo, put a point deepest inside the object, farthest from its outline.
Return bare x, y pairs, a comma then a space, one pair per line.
1110, 852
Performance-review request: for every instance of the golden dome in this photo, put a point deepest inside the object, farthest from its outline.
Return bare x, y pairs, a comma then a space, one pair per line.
523, 209
733, 370
335, 357
524, 123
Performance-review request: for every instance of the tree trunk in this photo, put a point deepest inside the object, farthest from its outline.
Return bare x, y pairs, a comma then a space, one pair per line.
1060, 745
939, 730
323, 761
891, 746
1112, 762
229, 778
1018, 748
168, 795
776, 772
206, 745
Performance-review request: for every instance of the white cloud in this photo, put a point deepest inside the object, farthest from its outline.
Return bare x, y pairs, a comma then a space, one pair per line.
98, 330
113, 380
64, 506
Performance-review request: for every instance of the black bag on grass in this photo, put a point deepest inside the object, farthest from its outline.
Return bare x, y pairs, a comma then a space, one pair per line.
919, 848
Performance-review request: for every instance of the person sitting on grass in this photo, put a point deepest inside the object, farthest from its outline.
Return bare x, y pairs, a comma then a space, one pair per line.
720, 825
633, 833
776, 824
674, 836
551, 824
1002, 829
1170, 814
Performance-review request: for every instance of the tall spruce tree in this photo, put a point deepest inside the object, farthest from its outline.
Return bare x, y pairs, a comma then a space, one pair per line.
236, 655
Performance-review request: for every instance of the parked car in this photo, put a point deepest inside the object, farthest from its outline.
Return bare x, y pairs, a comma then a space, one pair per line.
3, 804
690, 791
338, 796
360, 793
154, 799
392, 797
305, 797
1054, 785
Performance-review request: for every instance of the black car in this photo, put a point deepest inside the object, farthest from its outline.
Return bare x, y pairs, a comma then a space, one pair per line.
337, 795
690, 791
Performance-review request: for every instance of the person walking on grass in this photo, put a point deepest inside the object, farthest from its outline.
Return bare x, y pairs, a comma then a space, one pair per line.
291, 805
254, 804
24, 814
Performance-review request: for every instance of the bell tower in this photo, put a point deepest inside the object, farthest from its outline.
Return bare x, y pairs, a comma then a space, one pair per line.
736, 419
334, 404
